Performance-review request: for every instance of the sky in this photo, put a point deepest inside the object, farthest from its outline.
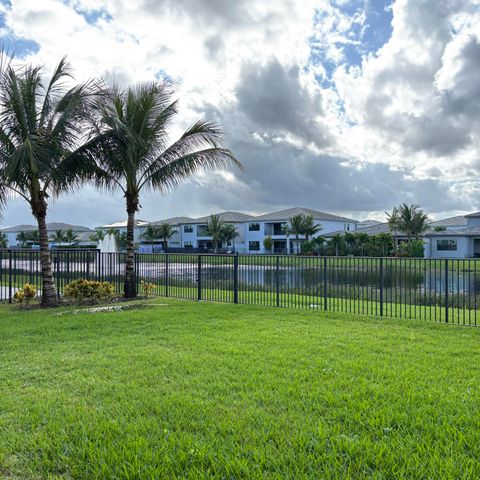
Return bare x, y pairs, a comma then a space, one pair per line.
345, 106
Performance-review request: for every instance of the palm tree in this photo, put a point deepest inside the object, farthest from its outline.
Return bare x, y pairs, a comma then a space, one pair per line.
412, 220
70, 236
22, 237
130, 151
58, 236
296, 226
165, 232
3, 240
98, 236
151, 234
309, 226
40, 125
229, 234
385, 241
215, 226
393, 222
337, 242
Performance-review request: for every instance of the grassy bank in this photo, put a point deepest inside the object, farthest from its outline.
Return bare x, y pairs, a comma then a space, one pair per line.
202, 390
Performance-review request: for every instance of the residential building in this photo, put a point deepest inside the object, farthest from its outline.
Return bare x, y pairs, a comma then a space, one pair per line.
121, 227
251, 230
82, 233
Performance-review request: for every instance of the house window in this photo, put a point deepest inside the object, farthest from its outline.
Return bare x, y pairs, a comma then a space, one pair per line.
450, 245
188, 229
254, 227
187, 245
254, 246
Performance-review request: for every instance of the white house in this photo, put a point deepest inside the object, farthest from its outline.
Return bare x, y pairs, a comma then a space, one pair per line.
82, 233
251, 230
460, 239
121, 227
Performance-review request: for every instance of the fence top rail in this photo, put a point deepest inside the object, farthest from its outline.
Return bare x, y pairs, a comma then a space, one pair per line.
306, 257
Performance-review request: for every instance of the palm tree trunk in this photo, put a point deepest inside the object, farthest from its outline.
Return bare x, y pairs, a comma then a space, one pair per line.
130, 287
49, 292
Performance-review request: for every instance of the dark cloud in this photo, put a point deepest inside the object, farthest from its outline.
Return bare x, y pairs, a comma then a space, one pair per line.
272, 97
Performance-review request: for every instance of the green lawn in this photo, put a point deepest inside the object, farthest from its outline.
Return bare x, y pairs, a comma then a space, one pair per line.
189, 390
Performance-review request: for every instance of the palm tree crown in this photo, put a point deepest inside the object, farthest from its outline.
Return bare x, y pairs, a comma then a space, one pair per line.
130, 150
40, 125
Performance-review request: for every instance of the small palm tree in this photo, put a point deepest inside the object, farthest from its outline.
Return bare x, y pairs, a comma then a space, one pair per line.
98, 236
229, 234
70, 236
130, 151
412, 220
3, 240
58, 236
296, 226
151, 234
22, 237
40, 125
393, 222
165, 232
215, 226
337, 242
309, 226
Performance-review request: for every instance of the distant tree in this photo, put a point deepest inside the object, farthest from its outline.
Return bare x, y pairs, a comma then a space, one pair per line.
22, 237
310, 228
58, 236
215, 226
229, 234
439, 228
98, 236
296, 226
70, 236
385, 242
165, 232
151, 234
393, 222
412, 220
34, 237
268, 243
337, 244
121, 240
3, 240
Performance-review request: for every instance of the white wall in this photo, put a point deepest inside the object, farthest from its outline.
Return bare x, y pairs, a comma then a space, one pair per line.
464, 248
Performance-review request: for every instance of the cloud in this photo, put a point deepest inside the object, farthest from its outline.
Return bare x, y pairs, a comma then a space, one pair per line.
339, 106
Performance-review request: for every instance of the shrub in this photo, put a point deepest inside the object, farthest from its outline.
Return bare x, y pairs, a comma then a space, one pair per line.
89, 291
25, 295
147, 288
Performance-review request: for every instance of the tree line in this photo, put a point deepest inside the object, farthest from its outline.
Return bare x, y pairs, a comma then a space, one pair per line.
57, 135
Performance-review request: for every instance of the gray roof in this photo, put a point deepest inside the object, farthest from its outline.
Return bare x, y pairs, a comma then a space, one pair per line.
317, 215
459, 232
473, 215
174, 221
50, 226
226, 217
368, 223
457, 221
372, 230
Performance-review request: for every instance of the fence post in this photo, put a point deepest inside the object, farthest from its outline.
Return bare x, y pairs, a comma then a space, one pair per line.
277, 281
199, 281
235, 279
166, 274
446, 290
325, 292
381, 287
87, 255
56, 271
10, 287
136, 264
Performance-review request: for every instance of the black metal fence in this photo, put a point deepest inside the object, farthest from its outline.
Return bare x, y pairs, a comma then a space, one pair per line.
436, 290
